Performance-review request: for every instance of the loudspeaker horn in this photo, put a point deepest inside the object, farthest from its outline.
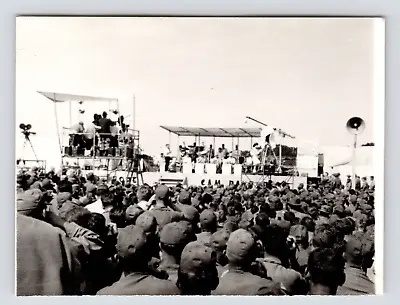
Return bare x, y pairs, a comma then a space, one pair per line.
355, 125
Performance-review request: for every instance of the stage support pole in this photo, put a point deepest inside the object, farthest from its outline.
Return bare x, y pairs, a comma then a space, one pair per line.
70, 114
178, 152
353, 162
58, 131
134, 114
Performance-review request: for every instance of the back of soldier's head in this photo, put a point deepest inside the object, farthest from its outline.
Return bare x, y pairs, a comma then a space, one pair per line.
326, 267
197, 273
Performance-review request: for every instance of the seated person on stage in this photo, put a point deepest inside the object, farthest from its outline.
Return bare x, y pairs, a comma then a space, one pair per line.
231, 160
218, 162
225, 161
202, 157
76, 135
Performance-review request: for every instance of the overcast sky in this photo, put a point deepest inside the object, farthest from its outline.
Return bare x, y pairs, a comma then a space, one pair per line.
306, 76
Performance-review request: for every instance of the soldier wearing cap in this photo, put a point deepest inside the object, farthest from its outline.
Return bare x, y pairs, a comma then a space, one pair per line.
279, 256
173, 238
31, 203
149, 224
208, 225
64, 194
237, 280
164, 210
90, 193
132, 212
197, 274
324, 214
218, 243
359, 257
97, 206
300, 233
184, 204
143, 196
132, 250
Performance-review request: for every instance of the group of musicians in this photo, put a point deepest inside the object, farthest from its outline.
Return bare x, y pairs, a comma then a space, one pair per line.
101, 137
256, 160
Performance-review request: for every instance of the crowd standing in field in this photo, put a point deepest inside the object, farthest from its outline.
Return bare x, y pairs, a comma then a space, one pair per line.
77, 235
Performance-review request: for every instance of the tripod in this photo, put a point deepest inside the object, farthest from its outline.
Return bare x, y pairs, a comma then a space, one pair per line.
264, 159
134, 168
26, 141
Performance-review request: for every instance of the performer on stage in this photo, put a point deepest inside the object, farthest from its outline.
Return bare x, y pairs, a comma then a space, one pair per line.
167, 156
256, 156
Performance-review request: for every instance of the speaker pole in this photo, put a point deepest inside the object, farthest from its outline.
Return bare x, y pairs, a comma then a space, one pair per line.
353, 161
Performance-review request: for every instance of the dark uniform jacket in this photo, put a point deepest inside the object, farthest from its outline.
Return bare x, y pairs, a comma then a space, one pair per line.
237, 282
140, 284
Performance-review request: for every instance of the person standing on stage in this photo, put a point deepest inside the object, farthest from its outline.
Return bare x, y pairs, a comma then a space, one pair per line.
364, 184
167, 156
224, 151
105, 125
372, 183
255, 154
236, 154
211, 153
90, 132
349, 182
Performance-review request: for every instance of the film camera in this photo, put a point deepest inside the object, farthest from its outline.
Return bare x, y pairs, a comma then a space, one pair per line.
25, 129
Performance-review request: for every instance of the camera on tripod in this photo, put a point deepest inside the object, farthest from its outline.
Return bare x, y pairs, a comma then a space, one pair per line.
25, 129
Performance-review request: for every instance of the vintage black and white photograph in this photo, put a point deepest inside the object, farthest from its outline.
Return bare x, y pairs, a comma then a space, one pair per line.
197, 156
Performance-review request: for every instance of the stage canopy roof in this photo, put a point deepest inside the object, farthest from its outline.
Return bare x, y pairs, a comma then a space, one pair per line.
63, 97
214, 132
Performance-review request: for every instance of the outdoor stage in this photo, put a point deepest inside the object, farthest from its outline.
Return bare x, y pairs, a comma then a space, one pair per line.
204, 179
